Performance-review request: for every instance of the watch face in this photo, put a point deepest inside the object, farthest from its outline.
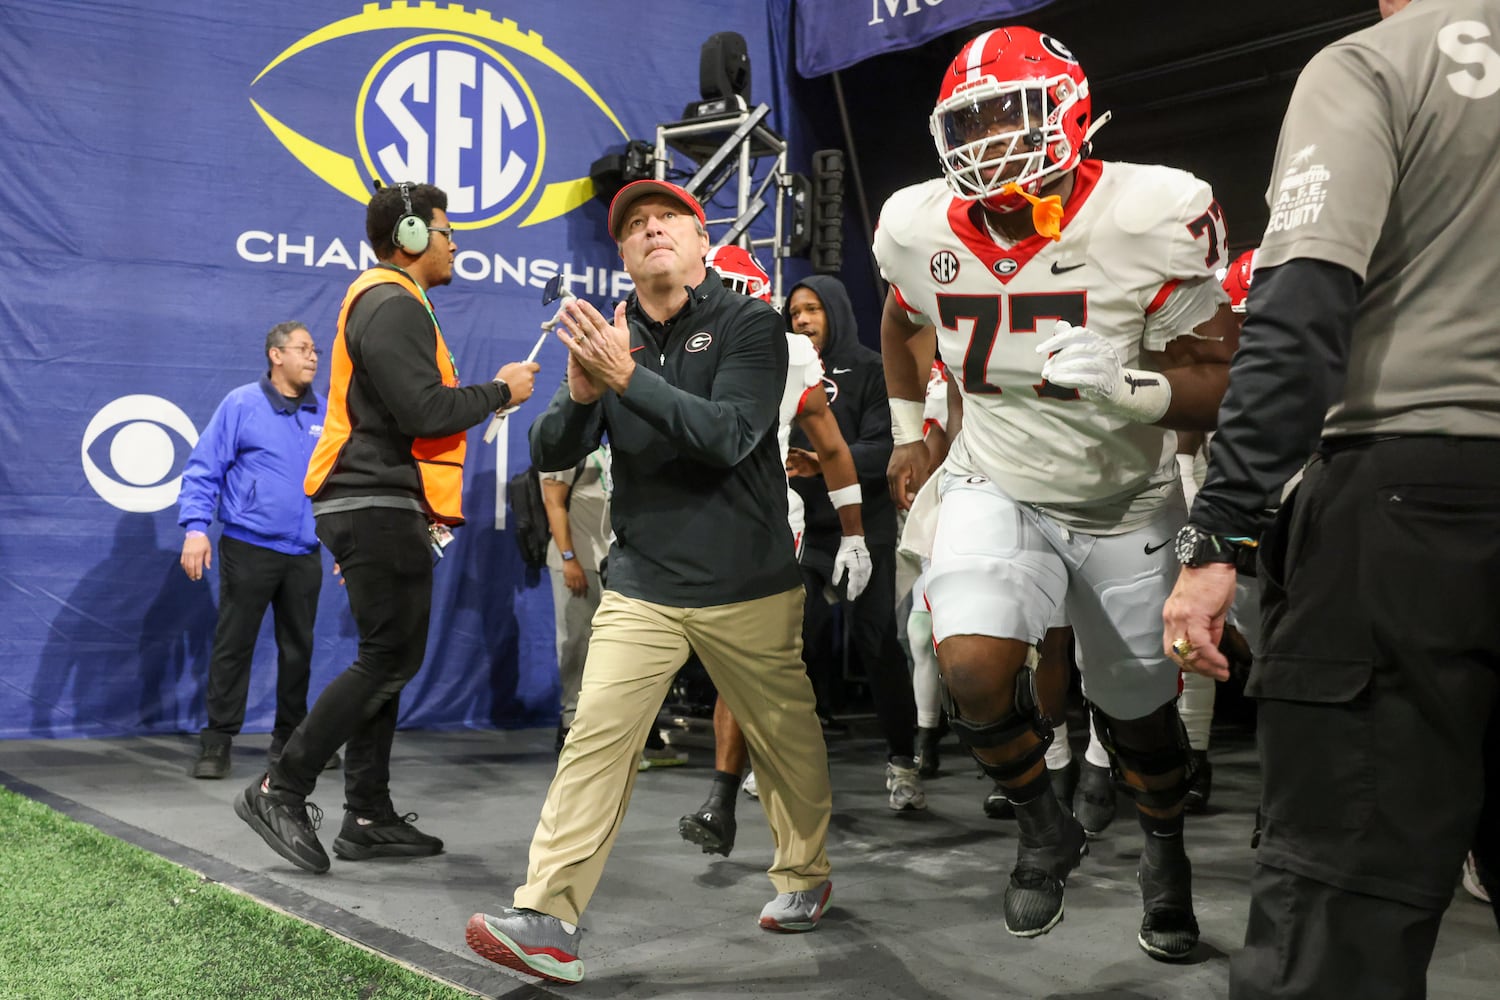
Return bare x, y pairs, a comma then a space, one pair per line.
1187, 544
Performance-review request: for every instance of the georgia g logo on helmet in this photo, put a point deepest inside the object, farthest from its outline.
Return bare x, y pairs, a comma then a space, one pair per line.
1014, 107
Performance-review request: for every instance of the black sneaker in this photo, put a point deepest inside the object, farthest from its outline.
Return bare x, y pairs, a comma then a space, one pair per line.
1094, 801
927, 752
213, 760
712, 828
1052, 844
1202, 786
1169, 931
289, 827
383, 836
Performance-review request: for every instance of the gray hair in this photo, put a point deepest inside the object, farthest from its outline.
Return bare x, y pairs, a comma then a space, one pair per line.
280, 334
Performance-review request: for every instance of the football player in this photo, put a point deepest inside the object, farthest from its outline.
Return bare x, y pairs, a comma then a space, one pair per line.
713, 825
1196, 702
1076, 304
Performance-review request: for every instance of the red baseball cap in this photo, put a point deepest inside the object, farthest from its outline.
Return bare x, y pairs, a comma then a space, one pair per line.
636, 190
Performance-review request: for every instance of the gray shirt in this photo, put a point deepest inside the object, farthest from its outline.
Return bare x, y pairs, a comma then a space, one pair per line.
1389, 165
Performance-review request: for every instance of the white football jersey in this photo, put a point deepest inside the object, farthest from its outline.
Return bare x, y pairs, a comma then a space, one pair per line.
1136, 264
804, 372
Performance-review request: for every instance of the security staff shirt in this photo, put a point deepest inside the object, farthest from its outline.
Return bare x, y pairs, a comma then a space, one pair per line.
1387, 166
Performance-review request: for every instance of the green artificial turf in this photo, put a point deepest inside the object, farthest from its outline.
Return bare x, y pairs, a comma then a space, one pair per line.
83, 915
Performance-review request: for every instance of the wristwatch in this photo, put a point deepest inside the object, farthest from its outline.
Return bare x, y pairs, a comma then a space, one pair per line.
504, 394
567, 555
1196, 547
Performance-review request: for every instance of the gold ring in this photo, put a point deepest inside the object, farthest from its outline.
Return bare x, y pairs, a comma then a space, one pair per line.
1183, 648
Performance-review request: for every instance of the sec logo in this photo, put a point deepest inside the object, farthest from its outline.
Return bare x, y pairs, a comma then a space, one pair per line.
944, 267
438, 95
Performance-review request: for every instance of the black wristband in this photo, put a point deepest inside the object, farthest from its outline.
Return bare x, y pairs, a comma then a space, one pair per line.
504, 393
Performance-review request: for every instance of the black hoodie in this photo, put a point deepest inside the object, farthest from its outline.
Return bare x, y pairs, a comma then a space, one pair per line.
855, 380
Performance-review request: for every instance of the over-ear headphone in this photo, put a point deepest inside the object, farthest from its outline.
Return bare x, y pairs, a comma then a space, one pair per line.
411, 232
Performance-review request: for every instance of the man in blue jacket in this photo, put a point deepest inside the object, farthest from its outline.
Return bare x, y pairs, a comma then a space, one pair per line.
247, 468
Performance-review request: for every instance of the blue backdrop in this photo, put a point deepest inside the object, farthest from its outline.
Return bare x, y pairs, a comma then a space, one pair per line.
179, 177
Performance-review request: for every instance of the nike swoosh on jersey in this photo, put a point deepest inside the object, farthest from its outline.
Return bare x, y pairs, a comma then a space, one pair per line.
1150, 549
842, 371
1057, 269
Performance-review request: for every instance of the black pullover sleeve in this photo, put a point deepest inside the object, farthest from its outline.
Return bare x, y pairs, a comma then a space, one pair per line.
1290, 367
398, 351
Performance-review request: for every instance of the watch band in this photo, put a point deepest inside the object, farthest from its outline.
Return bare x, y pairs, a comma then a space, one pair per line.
567, 555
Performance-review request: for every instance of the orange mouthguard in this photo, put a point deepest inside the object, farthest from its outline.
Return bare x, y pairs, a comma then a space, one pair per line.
1046, 213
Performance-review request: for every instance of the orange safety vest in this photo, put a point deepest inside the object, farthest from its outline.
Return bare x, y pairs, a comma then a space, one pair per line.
439, 461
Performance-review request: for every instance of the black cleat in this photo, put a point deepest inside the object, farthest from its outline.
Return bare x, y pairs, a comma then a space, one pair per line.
1169, 931
997, 803
213, 760
288, 827
712, 828
1052, 844
385, 835
1094, 801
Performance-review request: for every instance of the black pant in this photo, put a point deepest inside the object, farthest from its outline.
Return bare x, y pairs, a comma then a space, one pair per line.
1378, 678
252, 578
386, 559
871, 621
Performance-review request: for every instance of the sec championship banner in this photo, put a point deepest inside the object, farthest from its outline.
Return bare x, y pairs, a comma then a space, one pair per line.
180, 177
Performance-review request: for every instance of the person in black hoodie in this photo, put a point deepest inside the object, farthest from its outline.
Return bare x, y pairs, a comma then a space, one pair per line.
819, 308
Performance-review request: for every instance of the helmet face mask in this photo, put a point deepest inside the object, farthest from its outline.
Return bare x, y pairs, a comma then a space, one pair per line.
1014, 108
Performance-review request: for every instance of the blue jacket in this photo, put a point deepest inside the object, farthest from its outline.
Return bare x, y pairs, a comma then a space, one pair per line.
248, 468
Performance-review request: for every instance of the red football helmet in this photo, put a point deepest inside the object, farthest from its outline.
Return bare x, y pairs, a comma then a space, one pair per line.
740, 271
1236, 280
1014, 107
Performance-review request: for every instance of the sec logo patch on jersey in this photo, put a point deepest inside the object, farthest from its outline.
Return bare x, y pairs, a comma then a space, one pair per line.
439, 95
944, 267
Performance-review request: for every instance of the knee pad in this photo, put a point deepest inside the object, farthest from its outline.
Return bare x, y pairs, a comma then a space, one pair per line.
1022, 719
1169, 755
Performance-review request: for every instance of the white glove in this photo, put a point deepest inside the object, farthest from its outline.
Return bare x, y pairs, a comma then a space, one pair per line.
1088, 363
853, 559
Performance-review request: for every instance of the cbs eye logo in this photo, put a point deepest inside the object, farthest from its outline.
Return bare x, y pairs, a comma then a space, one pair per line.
141, 440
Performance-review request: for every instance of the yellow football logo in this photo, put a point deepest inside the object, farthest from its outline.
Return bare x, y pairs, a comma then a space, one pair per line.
446, 101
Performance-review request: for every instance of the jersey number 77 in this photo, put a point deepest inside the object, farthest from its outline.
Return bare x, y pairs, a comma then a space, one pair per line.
1027, 309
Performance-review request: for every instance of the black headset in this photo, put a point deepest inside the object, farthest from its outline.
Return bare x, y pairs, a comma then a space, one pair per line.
411, 232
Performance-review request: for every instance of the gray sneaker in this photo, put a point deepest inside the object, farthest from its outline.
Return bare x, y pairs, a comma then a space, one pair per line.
792, 912
904, 784
527, 941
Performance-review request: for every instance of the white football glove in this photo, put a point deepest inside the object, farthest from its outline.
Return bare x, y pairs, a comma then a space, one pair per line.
1087, 362
853, 559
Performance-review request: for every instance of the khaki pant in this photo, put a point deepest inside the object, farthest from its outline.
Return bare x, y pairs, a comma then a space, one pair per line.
752, 650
